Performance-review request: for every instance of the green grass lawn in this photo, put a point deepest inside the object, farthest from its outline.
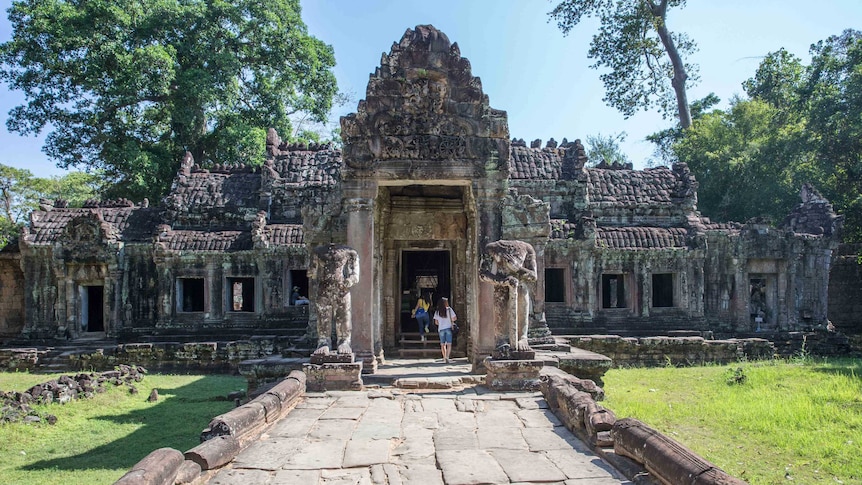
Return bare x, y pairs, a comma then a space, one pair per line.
789, 422
97, 440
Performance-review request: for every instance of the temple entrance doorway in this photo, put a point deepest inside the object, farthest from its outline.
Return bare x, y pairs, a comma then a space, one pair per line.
422, 271
92, 317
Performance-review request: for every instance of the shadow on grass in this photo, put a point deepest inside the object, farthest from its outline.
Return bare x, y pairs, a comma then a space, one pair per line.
175, 422
847, 367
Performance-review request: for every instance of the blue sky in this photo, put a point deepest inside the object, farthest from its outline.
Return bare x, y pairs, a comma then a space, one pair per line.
528, 68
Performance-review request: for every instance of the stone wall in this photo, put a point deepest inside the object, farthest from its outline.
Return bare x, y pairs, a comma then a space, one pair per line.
11, 295
845, 290
660, 351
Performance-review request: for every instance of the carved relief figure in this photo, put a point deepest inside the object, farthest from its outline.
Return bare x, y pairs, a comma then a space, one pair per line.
335, 268
511, 267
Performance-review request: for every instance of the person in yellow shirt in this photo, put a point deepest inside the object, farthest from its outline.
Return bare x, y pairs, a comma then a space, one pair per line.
420, 313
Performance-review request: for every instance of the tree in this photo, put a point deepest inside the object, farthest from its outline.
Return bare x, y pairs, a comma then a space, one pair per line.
743, 162
606, 148
646, 60
801, 124
832, 93
129, 85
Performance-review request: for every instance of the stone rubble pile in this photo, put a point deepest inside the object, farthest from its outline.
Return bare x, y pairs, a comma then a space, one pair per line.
15, 406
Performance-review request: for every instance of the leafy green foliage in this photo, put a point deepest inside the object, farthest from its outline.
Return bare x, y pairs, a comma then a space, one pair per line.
645, 62
606, 148
128, 85
800, 124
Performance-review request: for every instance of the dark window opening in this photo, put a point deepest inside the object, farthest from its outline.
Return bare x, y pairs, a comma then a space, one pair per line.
613, 291
662, 290
555, 285
95, 309
191, 294
241, 294
298, 285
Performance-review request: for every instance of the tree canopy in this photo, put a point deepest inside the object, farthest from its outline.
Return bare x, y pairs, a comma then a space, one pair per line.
646, 61
126, 86
606, 148
799, 124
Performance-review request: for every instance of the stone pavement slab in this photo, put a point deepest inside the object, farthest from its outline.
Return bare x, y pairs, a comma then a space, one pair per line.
428, 438
363, 452
463, 467
502, 438
527, 467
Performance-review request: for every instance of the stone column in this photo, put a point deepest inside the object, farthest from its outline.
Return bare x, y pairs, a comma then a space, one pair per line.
359, 201
539, 331
488, 198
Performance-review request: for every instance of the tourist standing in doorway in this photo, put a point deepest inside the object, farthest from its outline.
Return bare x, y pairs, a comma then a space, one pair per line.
443, 317
420, 313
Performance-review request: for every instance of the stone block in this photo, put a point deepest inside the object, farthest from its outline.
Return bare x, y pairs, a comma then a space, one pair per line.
158, 468
334, 376
215, 452
668, 460
236, 422
332, 358
512, 375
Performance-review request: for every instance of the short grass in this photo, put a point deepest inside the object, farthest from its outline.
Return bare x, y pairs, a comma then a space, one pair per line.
97, 440
797, 421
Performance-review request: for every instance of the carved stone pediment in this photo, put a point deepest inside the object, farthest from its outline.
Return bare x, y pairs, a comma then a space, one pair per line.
88, 237
89, 229
423, 103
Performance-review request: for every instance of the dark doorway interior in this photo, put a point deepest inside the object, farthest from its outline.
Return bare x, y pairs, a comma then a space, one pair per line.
662, 290
555, 285
95, 308
298, 278
422, 271
192, 294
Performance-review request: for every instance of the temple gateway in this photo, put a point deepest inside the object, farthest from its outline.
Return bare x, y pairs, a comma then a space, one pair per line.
428, 175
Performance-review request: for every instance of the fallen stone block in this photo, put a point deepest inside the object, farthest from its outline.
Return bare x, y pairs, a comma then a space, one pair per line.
189, 472
271, 406
158, 468
214, 453
667, 460
288, 389
236, 422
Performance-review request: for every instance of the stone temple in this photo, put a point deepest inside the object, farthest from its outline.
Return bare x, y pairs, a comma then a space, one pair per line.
428, 175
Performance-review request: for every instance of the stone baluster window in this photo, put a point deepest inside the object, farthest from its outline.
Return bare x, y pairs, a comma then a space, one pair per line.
241, 294
614, 288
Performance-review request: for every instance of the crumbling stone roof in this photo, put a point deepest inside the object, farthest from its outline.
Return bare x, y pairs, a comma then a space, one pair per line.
562, 229
186, 240
132, 224
535, 163
653, 186
306, 167
728, 227
284, 234
641, 237
202, 196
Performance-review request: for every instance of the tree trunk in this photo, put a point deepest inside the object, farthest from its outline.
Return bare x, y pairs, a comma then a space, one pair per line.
679, 74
